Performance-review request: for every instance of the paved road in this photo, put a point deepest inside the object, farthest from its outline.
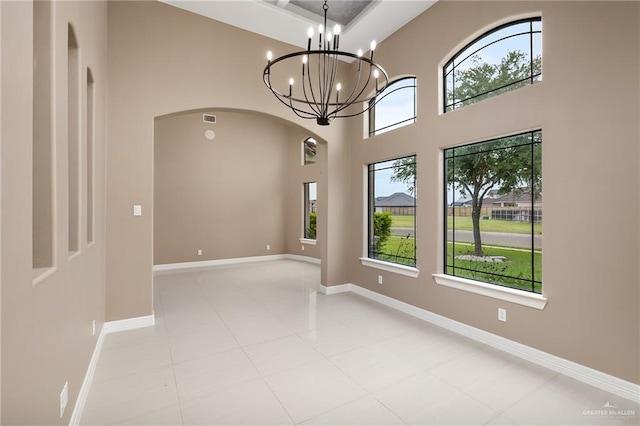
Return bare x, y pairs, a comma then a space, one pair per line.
401, 232
516, 240
500, 238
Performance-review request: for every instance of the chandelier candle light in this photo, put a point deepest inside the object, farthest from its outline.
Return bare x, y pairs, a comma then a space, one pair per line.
319, 94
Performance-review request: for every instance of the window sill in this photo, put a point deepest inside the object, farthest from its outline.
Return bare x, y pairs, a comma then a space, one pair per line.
40, 274
519, 297
390, 267
308, 241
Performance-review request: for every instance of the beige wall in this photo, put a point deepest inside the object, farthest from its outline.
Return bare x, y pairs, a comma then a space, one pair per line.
228, 196
47, 324
163, 60
588, 109
154, 46
298, 175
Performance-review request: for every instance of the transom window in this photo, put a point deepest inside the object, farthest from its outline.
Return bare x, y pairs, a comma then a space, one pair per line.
392, 211
503, 59
493, 202
394, 107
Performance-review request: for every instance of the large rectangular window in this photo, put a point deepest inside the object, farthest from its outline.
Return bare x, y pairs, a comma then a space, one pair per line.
392, 211
493, 201
310, 190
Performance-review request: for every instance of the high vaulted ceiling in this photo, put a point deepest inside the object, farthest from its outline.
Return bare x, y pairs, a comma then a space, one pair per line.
288, 20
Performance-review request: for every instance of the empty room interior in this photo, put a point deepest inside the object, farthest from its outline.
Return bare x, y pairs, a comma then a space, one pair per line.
319, 212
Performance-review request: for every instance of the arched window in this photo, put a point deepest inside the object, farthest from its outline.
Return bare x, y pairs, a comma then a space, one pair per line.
394, 107
506, 58
309, 151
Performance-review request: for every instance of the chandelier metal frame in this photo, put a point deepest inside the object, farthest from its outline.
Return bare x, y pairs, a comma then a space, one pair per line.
321, 97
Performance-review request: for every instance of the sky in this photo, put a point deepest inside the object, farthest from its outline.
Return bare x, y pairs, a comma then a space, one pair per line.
384, 186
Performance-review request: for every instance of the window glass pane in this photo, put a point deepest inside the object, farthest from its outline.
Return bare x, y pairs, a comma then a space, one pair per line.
310, 197
497, 62
494, 211
310, 151
394, 107
488, 40
537, 57
392, 211
449, 94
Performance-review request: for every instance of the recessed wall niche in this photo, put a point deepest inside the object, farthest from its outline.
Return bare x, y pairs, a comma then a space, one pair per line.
90, 155
73, 140
42, 173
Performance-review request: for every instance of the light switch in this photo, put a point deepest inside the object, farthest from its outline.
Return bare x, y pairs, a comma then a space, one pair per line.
137, 210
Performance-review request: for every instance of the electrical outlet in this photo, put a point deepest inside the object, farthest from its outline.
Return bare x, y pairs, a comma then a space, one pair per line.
268, 247
379, 279
64, 398
199, 252
502, 315
302, 248
93, 326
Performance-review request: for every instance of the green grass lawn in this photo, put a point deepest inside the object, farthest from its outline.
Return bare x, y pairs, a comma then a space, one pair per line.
463, 223
399, 246
517, 265
403, 221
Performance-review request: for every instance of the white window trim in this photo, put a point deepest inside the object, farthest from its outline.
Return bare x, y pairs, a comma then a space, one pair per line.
305, 202
396, 268
520, 297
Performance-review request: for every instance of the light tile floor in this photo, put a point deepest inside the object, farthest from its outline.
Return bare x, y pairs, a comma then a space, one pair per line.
258, 344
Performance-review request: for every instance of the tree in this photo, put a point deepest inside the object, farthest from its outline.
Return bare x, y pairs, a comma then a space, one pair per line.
404, 171
381, 229
311, 231
504, 163
483, 80
501, 165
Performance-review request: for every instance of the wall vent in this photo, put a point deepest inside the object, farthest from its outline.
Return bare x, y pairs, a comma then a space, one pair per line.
209, 118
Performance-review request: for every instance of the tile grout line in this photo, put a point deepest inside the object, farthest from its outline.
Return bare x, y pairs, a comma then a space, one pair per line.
173, 368
272, 307
241, 347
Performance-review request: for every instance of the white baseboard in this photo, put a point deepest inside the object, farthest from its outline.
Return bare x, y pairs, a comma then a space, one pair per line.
107, 327
86, 383
128, 324
206, 264
579, 372
335, 289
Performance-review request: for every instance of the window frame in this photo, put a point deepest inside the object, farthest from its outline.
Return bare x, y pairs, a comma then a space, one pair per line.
384, 264
484, 287
306, 213
452, 106
304, 151
372, 131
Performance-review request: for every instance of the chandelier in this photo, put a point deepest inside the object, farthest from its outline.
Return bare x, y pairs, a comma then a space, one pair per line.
327, 84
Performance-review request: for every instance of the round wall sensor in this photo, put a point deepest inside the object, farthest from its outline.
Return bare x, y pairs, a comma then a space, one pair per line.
210, 134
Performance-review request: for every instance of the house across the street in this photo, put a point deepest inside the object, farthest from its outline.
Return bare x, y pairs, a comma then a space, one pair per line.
396, 204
